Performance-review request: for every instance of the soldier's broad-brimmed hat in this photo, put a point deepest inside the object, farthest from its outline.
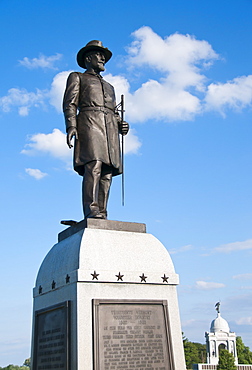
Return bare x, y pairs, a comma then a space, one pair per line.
92, 45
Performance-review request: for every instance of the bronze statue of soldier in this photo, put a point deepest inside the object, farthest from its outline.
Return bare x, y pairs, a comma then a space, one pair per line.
91, 117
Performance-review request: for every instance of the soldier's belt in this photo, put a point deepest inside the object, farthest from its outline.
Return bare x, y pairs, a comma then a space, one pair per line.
97, 109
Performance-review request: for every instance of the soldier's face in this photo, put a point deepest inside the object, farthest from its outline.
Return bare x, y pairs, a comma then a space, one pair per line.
97, 61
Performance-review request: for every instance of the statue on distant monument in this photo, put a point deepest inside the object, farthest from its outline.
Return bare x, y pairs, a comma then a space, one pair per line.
91, 117
217, 307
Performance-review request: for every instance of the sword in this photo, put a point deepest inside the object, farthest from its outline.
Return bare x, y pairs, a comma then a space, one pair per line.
120, 108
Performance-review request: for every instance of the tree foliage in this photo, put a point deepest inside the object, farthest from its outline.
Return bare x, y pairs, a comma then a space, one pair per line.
226, 360
25, 366
194, 353
14, 367
244, 354
27, 362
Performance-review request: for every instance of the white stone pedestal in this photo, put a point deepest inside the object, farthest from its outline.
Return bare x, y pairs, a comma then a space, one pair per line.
108, 262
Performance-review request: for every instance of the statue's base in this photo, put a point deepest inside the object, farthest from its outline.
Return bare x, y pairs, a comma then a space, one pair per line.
94, 223
105, 298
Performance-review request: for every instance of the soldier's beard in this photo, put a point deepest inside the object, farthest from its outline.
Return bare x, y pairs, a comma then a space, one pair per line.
101, 67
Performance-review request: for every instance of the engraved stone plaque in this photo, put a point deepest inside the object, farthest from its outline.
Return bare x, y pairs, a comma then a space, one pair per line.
51, 340
132, 334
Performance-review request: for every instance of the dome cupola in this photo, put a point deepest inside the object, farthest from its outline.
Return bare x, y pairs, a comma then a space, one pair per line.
219, 325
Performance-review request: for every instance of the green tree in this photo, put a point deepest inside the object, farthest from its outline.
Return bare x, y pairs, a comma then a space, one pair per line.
201, 348
14, 367
226, 361
243, 353
194, 353
27, 362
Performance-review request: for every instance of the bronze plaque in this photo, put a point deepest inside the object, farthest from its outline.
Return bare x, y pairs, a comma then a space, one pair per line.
132, 334
51, 338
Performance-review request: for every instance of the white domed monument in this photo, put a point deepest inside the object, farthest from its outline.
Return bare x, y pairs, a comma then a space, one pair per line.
219, 337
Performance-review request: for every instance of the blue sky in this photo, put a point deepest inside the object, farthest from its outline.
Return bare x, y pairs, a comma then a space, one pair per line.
185, 70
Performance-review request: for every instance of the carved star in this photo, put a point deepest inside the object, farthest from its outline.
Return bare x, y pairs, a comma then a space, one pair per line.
143, 278
53, 284
40, 289
95, 275
119, 277
165, 278
67, 279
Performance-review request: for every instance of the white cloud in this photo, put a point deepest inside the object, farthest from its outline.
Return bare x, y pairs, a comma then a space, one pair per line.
120, 84
205, 285
53, 144
181, 56
155, 100
235, 94
57, 90
244, 321
179, 59
37, 174
188, 323
243, 301
23, 111
181, 93
182, 249
132, 143
247, 276
41, 62
22, 99
25, 100
247, 287
236, 246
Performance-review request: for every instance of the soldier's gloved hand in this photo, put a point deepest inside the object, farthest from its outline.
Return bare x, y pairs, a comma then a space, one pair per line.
123, 127
71, 132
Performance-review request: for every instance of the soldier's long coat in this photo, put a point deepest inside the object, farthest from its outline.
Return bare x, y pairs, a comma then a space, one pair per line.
89, 105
